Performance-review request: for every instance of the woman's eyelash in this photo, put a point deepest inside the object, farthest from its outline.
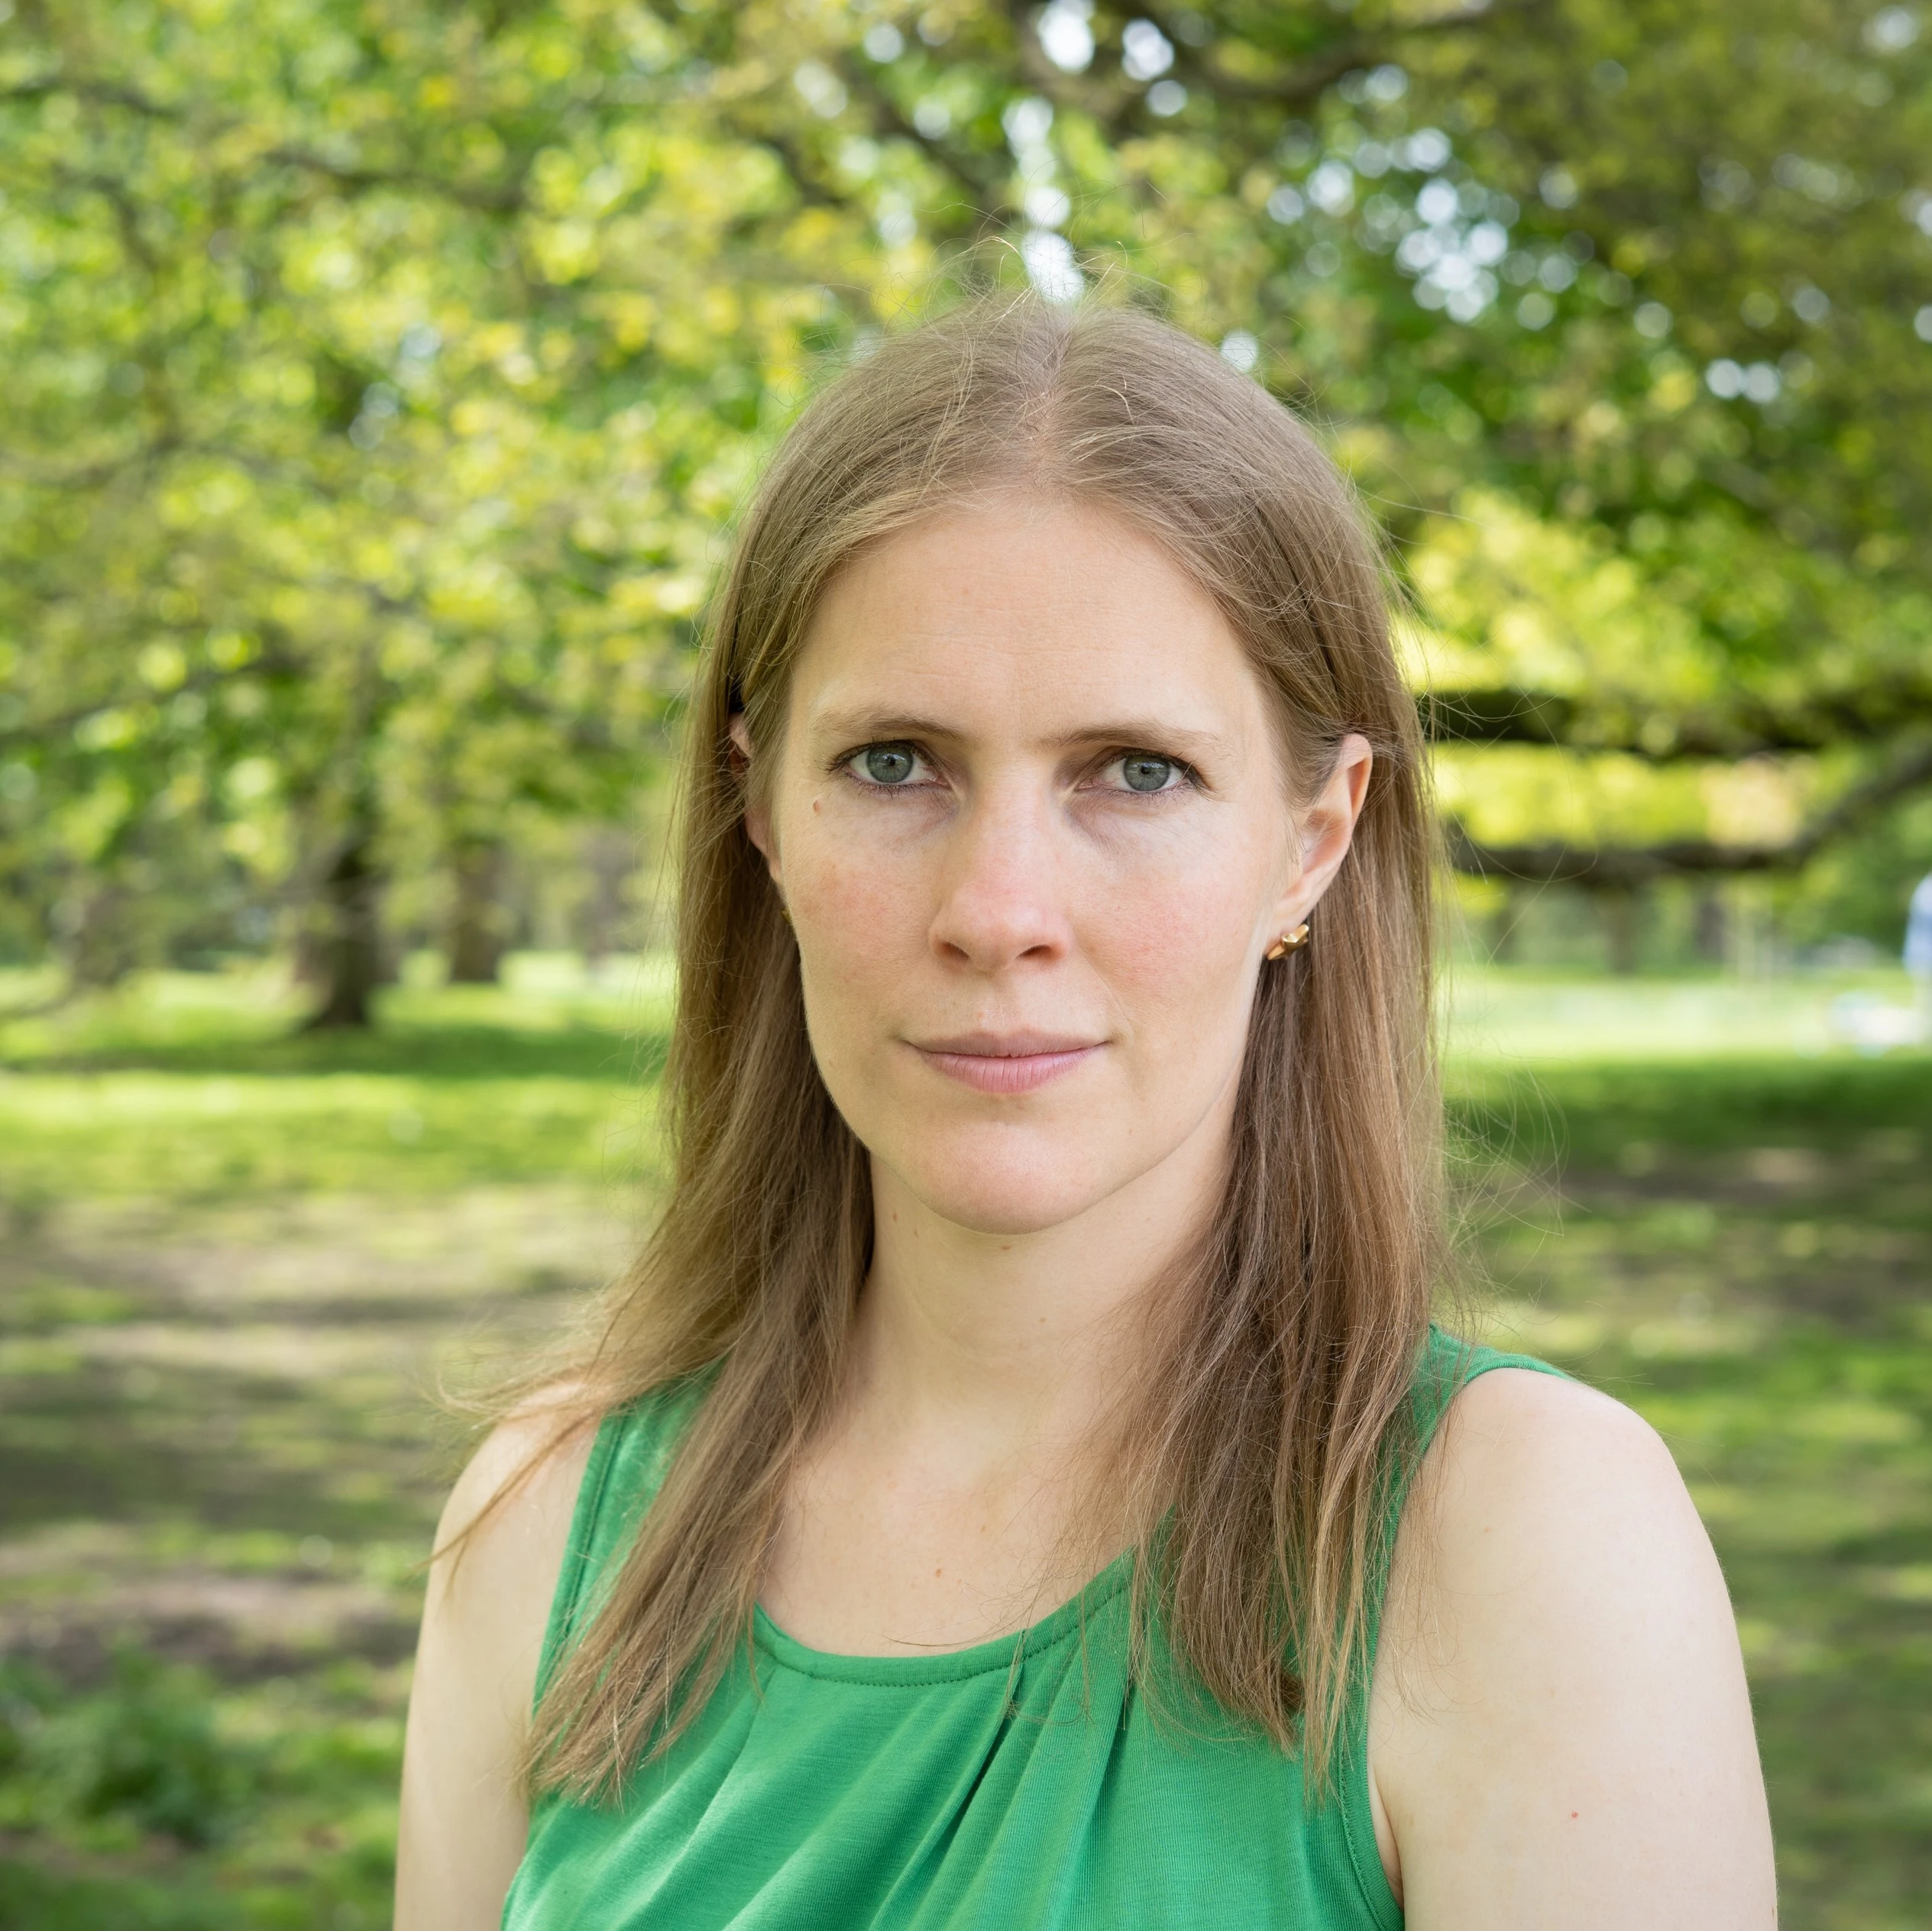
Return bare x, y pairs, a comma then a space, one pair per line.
849, 764
1140, 753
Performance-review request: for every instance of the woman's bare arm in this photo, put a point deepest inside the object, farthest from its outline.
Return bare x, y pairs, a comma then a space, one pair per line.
1561, 1732
463, 1820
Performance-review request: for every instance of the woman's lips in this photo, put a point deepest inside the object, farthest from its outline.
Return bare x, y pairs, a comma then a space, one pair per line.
1017, 1063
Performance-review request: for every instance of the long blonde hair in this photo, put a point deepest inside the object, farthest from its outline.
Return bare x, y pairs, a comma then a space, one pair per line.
1267, 1444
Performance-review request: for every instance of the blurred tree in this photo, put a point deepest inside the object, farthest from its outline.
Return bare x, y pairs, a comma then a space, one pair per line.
381, 373
478, 932
1622, 314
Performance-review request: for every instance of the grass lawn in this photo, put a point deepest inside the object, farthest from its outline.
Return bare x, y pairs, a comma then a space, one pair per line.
237, 1263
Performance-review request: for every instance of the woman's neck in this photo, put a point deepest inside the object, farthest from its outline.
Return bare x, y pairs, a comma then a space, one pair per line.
963, 1484
1021, 1342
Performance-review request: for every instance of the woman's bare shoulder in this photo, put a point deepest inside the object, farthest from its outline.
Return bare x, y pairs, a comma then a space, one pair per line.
499, 1544
521, 1479
1559, 1691
1543, 1511
499, 1547
1538, 1447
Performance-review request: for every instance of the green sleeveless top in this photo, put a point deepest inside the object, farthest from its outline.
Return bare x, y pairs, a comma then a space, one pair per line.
1023, 1784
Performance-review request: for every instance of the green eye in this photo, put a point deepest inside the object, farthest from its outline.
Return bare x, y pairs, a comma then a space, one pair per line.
887, 764
1145, 772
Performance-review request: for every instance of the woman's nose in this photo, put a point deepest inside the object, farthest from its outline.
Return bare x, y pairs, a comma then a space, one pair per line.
1000, 901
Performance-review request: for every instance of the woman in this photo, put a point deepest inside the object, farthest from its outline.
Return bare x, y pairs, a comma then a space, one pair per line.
1019, 1484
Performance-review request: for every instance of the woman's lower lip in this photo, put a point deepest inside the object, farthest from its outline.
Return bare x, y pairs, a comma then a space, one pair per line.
995, 1073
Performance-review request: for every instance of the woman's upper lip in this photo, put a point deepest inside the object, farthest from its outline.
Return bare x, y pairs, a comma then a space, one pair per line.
1006, 1045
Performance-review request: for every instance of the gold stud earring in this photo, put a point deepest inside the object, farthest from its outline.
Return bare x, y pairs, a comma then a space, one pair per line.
1289, 941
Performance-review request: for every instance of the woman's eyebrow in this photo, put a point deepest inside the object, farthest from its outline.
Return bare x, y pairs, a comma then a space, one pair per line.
1148, 734
1130, 733
852, 725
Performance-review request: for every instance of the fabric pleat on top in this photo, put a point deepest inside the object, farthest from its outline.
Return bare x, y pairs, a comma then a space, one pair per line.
1024, 1784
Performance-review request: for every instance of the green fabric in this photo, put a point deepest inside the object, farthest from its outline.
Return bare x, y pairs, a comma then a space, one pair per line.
1021, 1785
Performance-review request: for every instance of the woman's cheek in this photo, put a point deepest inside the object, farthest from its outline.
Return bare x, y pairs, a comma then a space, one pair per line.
855, 898
1183, 937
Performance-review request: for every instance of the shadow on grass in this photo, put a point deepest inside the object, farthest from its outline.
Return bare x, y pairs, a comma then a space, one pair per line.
1588, 1115
212, 1025
52, 1900
410, 1050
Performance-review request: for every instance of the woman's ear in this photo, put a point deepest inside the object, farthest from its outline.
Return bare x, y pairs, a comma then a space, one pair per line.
1328, 825
758, 816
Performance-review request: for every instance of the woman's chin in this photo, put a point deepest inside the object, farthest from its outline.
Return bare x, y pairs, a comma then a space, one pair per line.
1009, 1196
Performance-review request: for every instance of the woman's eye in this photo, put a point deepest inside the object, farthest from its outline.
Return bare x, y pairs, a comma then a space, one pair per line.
1144, 771
887, 764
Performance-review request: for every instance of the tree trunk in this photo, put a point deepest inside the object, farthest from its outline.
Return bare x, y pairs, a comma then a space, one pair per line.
478, 926
1618, 908
610, 856
345, 950
1502, 928
1712, 927
98, 946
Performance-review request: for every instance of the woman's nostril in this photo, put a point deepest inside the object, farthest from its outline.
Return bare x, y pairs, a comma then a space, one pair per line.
989, 936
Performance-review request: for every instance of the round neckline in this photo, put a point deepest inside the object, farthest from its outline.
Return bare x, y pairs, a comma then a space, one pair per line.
999, 1653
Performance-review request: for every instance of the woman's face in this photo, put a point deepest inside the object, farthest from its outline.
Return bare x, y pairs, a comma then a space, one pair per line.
1030, 821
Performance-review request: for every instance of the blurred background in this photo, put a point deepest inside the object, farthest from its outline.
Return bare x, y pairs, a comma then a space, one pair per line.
380, 377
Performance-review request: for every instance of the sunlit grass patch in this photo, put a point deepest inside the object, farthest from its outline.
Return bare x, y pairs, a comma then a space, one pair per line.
194, 1086
1572, 1019
250, 1017
188, 1136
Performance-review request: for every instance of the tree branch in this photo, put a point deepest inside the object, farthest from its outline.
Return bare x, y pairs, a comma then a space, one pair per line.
355, 178
1745, 729
108, 92
60, 724
91, 476
982, 184
1625, 865
1309, 78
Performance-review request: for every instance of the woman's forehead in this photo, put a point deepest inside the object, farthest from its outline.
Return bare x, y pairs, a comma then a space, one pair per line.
1049, 606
